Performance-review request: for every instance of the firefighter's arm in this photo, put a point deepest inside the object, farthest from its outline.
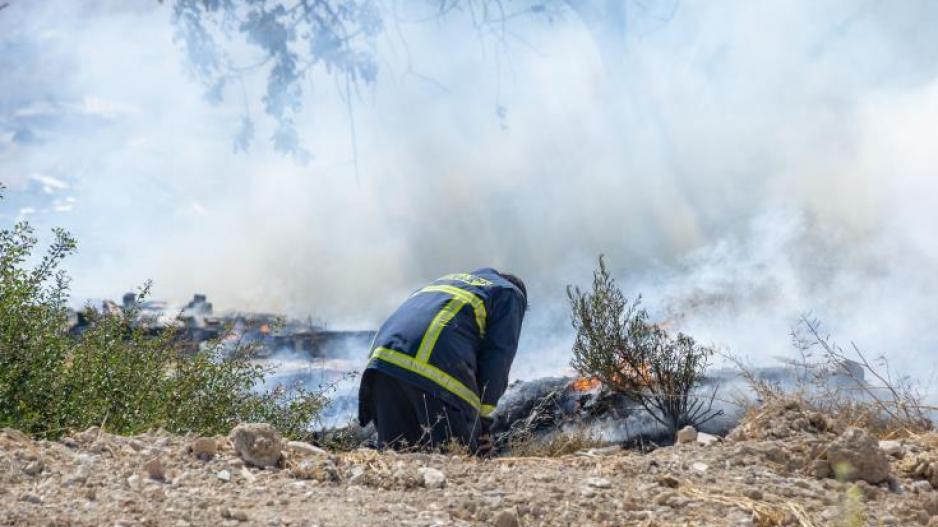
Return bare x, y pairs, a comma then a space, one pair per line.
502, 331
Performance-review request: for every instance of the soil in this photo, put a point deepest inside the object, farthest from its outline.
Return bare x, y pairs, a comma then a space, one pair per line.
755, 478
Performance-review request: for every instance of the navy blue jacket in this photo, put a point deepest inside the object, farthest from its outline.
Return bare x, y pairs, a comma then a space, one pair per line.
455, 338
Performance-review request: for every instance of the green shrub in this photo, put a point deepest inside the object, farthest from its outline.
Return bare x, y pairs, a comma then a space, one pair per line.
616, 343
117, 374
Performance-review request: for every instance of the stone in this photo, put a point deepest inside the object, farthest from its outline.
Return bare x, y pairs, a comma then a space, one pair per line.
700, 467
258, 444
855, 455
302, 448
688, 434
707, 439
356, 475
34, 468
821, 469
931, 505
432, 478
31, 498
753, 494
204, 448
597, 483
506, 518
669, 481
234, 514
316, 469
922, 486
155, 469
892, 448
224, 475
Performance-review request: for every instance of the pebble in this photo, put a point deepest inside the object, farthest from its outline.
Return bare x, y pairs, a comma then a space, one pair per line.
204, 448
31, 498
155, 469
356, 475
306, 449
597, 483
257, 443
688, 434
224, 475
234, 514
432, 478
506, 518
34, 468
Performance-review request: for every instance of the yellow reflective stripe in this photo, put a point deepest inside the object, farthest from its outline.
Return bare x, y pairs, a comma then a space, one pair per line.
478, 306
430, 372
436, 327
487, 409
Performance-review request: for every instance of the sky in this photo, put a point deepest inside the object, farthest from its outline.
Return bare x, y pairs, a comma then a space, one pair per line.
738, 163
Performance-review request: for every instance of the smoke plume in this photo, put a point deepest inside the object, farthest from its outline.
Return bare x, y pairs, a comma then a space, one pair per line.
738, 163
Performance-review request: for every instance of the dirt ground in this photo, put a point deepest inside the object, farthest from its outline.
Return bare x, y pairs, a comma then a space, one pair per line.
771, 471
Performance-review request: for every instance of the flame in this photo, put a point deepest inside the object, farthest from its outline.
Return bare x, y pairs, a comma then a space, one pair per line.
585, 384
588, 384
265, 329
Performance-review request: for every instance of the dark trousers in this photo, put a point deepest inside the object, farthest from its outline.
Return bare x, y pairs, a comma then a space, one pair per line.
408, 417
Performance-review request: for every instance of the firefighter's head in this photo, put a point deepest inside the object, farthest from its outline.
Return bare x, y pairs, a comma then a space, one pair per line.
515, 281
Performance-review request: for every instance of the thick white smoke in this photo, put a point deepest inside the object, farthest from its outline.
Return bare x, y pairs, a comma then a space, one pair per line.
738, 163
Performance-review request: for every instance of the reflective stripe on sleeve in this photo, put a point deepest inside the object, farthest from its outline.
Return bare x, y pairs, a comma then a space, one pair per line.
486, 410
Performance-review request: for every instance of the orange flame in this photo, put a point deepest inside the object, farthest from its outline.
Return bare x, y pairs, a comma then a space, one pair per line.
585, 384
265, 328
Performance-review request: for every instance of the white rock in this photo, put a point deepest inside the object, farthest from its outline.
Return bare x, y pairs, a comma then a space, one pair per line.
305, 449
700, 467
257, 443
892, 448
223, 475
432, 478
707, 439
597, 483
688, 434
356, 475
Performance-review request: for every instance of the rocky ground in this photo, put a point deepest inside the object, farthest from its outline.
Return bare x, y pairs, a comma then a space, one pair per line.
784, 466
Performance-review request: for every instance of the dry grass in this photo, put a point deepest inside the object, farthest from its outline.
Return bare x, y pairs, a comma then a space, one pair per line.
556, 444
763, 514
844, 385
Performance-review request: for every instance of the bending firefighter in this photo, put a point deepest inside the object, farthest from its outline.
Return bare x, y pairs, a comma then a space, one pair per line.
440, 362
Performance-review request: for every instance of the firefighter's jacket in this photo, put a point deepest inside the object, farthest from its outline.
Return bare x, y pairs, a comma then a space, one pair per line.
455, 338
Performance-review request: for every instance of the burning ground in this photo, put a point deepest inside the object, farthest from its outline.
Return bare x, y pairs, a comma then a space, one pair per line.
776, 468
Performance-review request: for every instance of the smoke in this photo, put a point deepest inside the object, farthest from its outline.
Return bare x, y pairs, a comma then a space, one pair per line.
738, 163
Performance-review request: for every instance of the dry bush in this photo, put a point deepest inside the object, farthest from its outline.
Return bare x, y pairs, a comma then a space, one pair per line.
843, 384
617, 344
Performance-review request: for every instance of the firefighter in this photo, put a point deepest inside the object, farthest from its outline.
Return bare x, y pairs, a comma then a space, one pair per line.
440, 362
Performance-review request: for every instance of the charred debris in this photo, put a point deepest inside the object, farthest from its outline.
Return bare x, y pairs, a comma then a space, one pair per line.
197, 325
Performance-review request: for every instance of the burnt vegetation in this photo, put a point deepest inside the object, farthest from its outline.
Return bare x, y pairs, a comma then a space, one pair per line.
617, 344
